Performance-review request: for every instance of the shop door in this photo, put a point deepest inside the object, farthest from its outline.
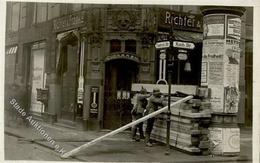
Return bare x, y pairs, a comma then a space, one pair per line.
120, 74
37, 78
69, 83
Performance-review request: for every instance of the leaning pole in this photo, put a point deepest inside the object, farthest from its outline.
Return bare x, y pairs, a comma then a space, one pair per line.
95, 141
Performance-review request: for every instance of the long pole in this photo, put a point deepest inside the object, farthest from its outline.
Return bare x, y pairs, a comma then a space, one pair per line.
84, 146
168, 120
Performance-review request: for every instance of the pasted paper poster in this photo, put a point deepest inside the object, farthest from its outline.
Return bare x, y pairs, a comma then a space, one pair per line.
217, 101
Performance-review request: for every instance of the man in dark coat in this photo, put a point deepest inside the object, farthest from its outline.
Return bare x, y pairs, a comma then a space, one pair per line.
137, 113
153, 103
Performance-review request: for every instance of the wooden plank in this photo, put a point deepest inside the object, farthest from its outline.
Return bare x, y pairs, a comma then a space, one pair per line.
84, 146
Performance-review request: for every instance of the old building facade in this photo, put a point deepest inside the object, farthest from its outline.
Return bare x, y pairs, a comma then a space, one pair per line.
87, 56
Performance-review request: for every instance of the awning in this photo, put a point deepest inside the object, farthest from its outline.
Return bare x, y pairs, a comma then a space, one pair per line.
64, 39
11, 50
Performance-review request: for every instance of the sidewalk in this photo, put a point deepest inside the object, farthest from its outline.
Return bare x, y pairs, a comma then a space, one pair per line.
121, 148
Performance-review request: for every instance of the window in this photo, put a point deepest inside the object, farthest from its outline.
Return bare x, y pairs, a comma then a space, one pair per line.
130, 46
40, 14
76, 7
115, 46
23, 15
53, 10
15, 16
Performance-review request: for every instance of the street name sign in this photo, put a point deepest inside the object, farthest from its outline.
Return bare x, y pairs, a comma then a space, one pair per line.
183, 45
162, 45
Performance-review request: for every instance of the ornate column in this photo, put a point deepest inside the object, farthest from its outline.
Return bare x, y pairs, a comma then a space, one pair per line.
220, 73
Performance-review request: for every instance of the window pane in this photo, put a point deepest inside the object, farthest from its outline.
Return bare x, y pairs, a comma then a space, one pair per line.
76, 7
23, 15
15, 16
53, 10
115, 46
41, 12
130, 46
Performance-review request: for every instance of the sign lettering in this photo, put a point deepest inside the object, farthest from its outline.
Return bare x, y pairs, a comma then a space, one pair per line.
180, 20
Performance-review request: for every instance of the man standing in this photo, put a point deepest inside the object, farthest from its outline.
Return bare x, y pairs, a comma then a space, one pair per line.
137, 113
154, 101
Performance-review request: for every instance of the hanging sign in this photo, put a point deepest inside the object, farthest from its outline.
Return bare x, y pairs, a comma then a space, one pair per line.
94, 100
182, 56
183, 45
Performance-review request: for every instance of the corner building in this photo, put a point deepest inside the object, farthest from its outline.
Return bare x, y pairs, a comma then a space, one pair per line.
88, 55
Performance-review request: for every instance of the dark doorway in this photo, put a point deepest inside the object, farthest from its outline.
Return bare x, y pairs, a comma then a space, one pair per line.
69, 82
120, 74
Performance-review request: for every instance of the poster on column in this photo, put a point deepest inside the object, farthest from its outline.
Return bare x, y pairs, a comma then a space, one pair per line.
217, 101
212, 58
233, 27
214, 26
231, 76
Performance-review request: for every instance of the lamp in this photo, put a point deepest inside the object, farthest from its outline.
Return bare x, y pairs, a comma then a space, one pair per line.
187, 66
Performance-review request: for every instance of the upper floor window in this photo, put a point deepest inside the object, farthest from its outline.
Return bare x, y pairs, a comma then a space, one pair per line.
46, 11
115, 46
76, 7
130, 46
40, 13
23, 15
53, 10
15, 12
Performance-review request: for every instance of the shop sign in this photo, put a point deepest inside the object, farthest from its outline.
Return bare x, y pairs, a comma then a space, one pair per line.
162, 45
183, 45
94, 94
180, 20
69, 22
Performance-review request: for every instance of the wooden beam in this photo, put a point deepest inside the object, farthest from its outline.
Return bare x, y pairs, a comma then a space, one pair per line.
95, 141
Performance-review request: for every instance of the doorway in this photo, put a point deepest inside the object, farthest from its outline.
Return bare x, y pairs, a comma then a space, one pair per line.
69, 81
37, 76
119, 76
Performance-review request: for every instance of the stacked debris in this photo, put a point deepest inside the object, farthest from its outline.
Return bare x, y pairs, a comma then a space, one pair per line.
189, 126
189, 121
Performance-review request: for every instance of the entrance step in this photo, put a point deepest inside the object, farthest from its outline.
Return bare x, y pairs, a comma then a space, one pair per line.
66, 124
37, 116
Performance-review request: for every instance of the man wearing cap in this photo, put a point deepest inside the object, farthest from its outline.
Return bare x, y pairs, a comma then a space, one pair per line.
153, 103
137, 112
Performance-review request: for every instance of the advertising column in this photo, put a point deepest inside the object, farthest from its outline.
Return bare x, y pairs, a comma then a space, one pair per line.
220, 73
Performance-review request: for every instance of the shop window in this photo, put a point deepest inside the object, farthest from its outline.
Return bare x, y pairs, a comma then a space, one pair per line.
40, 13
23, 15
53, 10
115, 46
185, 72
15, 16
130, 46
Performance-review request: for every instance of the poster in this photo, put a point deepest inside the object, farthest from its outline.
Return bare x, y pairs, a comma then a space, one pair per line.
217, 101
216, 73
215, 137
233, 27
231, 99
214, 27
204, 73
224, 140
213, 50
